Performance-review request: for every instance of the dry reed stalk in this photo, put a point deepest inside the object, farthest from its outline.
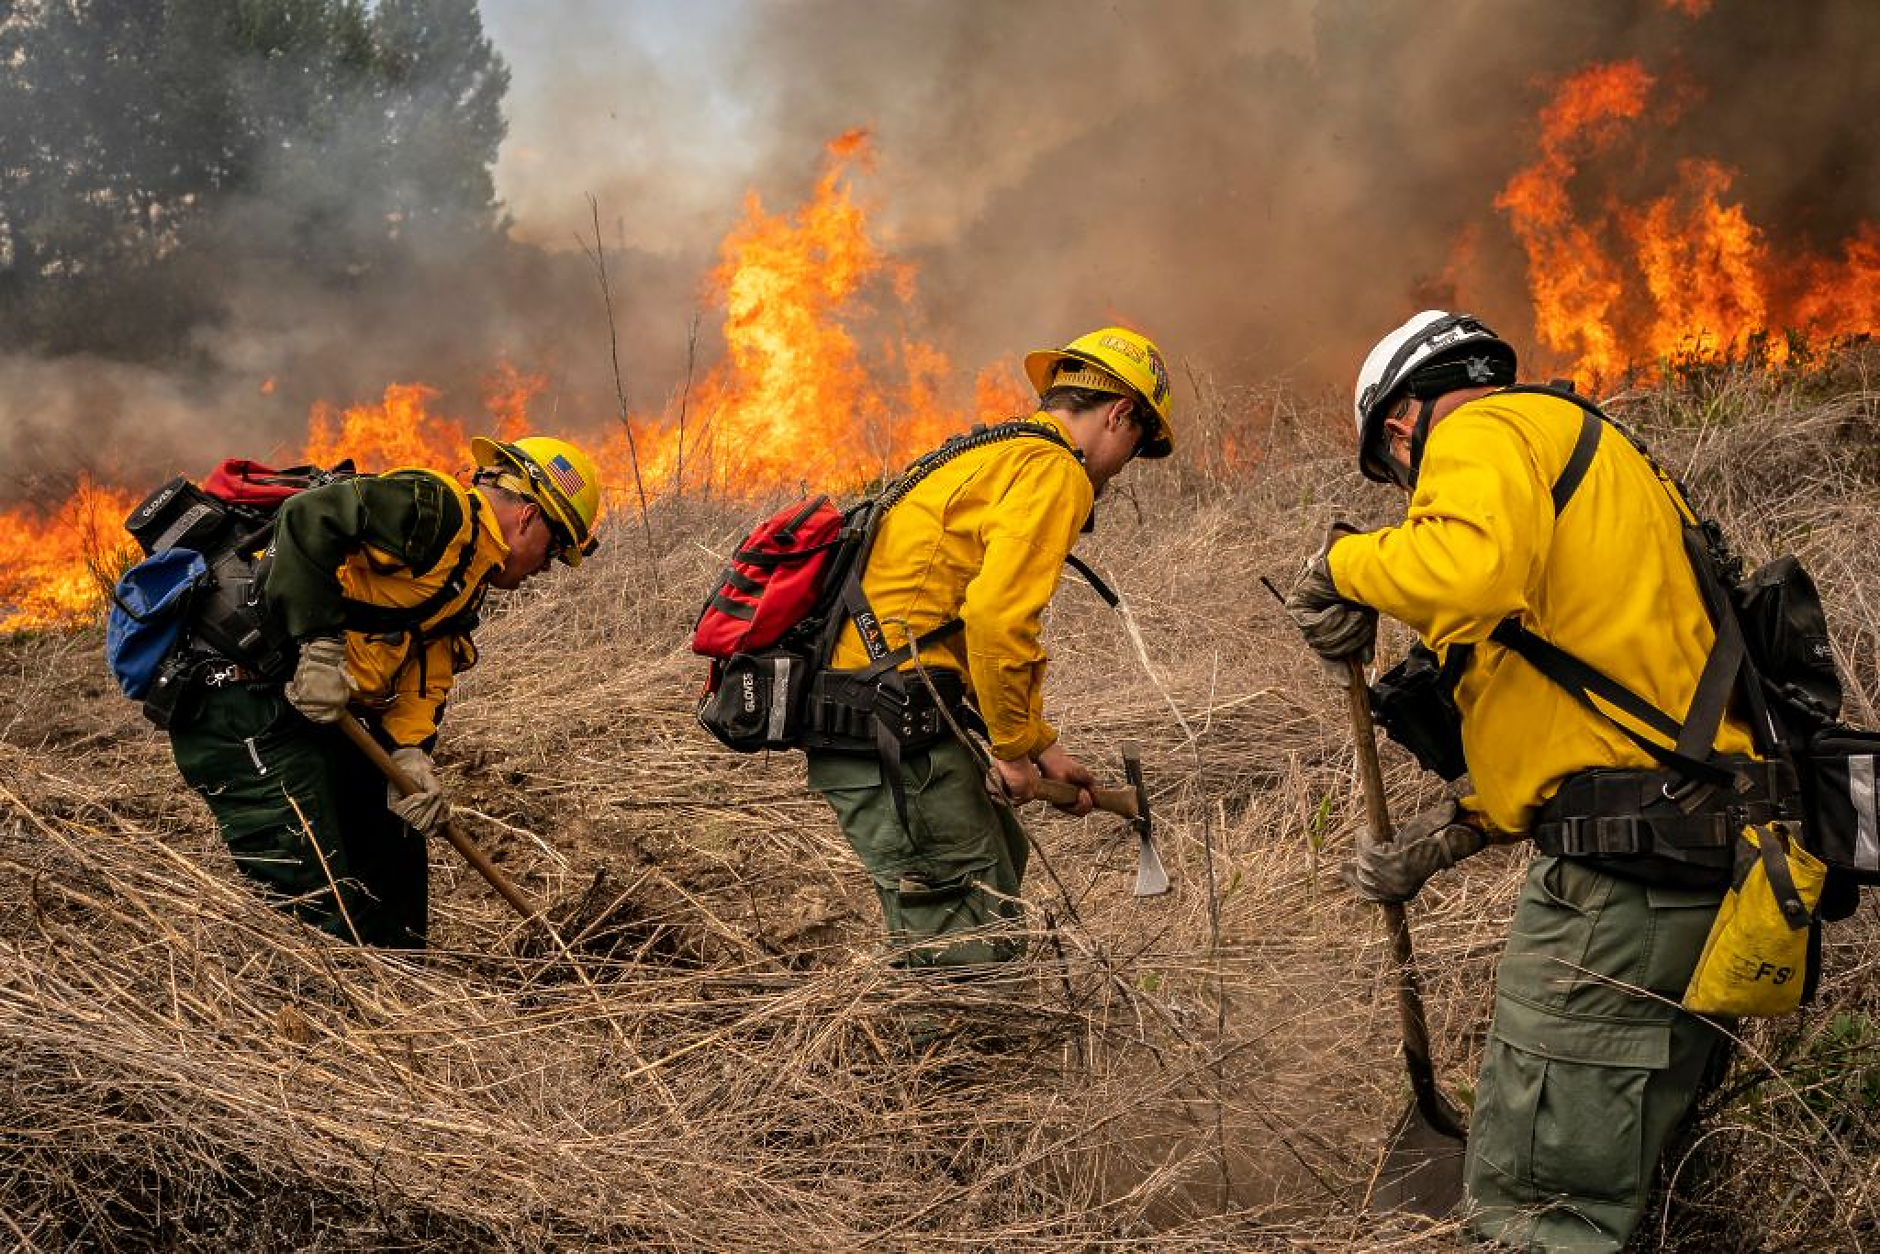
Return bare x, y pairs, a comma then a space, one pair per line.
187, 1067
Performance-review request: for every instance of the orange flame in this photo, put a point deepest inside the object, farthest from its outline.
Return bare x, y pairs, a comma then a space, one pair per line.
802, 395
400, 431
821, 383
47, 557
1687, 276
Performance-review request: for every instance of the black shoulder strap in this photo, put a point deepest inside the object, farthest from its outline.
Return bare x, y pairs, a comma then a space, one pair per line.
379, 620
1693, 739
1584, 682
1592, 421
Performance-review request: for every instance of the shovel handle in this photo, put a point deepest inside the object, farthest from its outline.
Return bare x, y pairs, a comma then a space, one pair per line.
1110, 800
504, 886
1416, 1030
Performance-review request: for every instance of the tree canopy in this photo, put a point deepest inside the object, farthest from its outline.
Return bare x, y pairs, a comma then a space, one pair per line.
151, 149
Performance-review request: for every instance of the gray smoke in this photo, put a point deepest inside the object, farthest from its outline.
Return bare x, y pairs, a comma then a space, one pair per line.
1264, 187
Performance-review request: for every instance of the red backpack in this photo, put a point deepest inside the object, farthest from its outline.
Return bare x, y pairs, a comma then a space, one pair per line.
773, 582
772, 620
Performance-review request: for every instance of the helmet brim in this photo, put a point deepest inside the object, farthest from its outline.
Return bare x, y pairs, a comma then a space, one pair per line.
1042, 366
488, 453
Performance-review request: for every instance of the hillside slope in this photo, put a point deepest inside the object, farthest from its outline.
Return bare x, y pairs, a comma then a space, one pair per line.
1213, 1069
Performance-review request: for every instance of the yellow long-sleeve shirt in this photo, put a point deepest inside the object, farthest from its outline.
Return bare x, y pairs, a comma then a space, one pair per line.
982, 538
1608, 581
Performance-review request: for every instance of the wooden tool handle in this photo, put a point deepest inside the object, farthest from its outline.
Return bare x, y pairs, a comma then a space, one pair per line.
1110, 800
1435, 1107
504, 886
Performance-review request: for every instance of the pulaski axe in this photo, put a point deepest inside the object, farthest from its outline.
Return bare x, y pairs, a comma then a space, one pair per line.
505, 887
1423, 1164
1132, 803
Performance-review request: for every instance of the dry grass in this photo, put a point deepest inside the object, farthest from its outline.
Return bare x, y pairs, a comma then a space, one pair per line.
1214, 1069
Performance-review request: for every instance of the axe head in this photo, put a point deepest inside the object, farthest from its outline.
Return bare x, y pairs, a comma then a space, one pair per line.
1151, 879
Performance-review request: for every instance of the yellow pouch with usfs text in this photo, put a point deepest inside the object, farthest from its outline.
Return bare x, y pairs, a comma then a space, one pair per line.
1756, 959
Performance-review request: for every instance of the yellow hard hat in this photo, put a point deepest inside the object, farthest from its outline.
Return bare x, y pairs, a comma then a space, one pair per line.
1117, 360
555, 475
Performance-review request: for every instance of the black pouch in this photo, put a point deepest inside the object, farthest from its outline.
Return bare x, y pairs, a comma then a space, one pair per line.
1787, 635
232, 618
755, 700
178, 515
176, 690
1415, 703
1838, 791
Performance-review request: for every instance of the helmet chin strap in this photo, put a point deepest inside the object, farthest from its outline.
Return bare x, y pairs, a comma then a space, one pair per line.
1419, 436
1404, 474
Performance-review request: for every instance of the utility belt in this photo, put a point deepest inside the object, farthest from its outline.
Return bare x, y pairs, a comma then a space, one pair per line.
847, 711
1657, 827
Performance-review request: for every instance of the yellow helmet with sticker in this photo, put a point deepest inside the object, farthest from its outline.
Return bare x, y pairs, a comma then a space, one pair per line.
1114, 359
555, 475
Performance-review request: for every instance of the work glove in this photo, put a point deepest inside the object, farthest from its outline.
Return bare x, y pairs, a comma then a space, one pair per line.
424, 810
1395, 871
1335, 627
322, 687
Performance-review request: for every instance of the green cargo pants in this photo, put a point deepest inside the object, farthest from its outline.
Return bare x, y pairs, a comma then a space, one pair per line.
934, 875
1583, 1082
303, 813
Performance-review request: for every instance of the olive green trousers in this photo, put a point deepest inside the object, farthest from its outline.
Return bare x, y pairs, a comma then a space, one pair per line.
1586, 1077
949, 880
303, 813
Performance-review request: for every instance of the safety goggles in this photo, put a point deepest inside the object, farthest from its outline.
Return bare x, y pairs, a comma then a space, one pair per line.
565, 544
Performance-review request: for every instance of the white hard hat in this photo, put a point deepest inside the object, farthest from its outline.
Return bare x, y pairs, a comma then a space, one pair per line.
1469, 353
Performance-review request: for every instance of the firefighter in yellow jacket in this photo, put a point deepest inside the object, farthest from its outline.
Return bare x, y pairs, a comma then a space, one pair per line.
983, 539
380, 580
1524, 509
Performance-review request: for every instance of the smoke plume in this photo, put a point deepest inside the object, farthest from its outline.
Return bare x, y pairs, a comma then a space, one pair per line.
1264, 188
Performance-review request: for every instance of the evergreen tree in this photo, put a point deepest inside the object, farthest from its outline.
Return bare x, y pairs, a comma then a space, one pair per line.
150, 149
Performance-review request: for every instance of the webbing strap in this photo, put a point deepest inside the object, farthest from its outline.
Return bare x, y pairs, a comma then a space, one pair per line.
1584, 682
1712, 697
770, 561
1630, 835
1095, 580
741, 582
886, 662
375, 620
1582, 457
736, 609
1694, 739
1772, 843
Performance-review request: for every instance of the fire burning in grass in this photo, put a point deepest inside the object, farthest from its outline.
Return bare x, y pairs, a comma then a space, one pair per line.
1685, 275
803, 395
824, 381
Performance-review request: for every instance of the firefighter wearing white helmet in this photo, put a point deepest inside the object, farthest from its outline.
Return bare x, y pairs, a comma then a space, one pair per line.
1433, 354
1531, 518
977, 548
380, 579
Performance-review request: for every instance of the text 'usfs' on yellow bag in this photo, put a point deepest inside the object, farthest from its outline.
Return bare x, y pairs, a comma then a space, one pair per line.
1756, 959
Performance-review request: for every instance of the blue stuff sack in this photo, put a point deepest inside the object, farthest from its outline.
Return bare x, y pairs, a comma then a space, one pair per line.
147, 616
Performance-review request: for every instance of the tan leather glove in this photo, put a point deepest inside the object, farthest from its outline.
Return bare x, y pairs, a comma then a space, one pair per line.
1397, 870
1336, 627
322, 687
424, 810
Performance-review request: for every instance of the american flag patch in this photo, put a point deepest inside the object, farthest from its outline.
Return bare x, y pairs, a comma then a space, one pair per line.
566, 477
